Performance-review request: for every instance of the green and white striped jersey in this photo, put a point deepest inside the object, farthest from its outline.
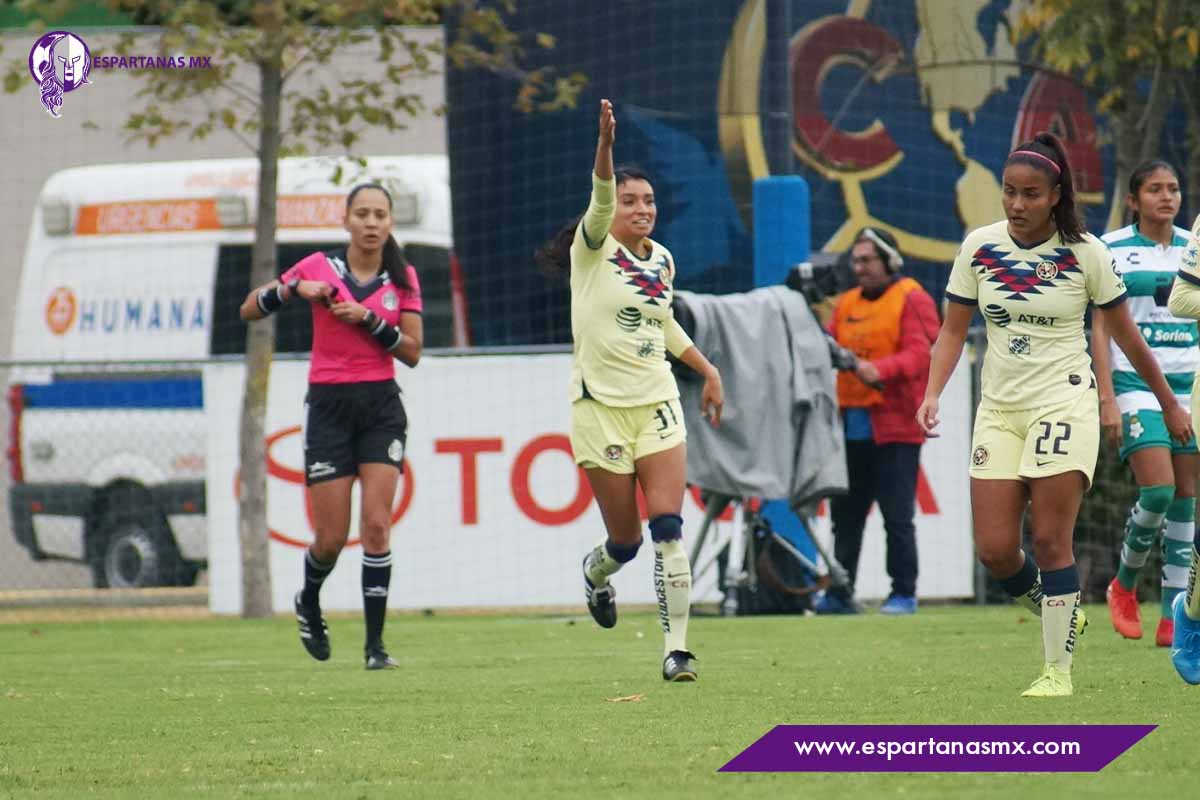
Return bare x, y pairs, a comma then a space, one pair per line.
1149, 269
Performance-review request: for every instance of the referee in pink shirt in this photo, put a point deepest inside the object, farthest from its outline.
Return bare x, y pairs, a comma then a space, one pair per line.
366, 310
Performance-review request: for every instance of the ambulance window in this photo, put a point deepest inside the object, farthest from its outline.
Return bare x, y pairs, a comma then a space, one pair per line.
293, 330
433, 271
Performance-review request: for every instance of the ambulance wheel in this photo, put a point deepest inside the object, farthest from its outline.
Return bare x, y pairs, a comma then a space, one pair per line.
135, 551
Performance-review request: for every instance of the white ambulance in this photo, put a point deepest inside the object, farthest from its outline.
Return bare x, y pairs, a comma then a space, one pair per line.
131, 282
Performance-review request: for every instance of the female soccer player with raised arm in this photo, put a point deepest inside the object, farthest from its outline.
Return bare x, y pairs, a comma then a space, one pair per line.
626, 424
366, 309
1185, 647
1148, 253
1037, 429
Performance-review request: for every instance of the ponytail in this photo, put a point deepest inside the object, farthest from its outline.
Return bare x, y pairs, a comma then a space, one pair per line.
1045, 152
394, 264
554, 257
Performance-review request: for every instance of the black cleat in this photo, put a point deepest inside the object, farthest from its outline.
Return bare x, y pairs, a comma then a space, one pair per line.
314, 634
601, 600
377, 658
677, 667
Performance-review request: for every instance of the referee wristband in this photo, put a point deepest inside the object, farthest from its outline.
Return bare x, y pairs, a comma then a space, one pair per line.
388, 336
271, 299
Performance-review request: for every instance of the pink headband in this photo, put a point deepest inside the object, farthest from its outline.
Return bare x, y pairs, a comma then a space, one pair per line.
1050, 161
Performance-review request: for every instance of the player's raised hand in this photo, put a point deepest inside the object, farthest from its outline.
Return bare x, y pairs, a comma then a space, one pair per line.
1179, 423
608, 124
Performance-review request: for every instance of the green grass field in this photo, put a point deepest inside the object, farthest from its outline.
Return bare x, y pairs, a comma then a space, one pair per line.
488, 706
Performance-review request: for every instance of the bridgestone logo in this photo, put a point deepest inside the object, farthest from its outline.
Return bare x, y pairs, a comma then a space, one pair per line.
660, 589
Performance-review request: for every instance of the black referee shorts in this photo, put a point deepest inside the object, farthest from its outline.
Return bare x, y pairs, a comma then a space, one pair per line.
347, 424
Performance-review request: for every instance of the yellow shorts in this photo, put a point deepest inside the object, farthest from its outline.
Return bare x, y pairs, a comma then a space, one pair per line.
614, 438
1037, 442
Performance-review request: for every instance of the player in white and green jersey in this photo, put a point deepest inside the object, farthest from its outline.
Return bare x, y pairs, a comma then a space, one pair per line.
1185, 646
1037, 429
1148, 253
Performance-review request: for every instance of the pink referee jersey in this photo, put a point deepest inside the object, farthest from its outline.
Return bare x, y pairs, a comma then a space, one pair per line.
345, 353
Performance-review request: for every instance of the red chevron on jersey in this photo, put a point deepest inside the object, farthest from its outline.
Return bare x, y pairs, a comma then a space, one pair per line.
1022, 276
648, 283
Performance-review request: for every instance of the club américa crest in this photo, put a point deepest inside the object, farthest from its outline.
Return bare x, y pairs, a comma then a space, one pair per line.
1047, 271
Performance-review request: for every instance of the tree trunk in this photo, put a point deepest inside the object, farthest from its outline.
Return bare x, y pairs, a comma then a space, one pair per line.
1139, 136
260, 345
1128, 148
1124, 118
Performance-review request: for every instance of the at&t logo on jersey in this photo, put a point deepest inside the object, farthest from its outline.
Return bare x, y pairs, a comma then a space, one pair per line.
1037, 319
997, 313
629, 319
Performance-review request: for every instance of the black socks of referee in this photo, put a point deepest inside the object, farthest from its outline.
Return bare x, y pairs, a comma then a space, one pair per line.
315, 573
376, 578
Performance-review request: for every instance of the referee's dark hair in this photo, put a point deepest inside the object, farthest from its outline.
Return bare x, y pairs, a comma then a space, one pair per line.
393, 256
554, 257
1045, 152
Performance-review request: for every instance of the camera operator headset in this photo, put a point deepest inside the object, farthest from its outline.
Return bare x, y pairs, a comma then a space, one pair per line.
822, 280
889, 322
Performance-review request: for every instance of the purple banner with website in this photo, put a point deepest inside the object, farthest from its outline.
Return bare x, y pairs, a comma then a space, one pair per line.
937, 748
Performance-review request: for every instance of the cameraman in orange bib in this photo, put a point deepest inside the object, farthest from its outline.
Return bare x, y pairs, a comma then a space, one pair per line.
889, 322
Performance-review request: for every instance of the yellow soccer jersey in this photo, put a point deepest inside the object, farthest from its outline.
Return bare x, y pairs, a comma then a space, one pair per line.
1185, 294
1033, 301
621, 318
